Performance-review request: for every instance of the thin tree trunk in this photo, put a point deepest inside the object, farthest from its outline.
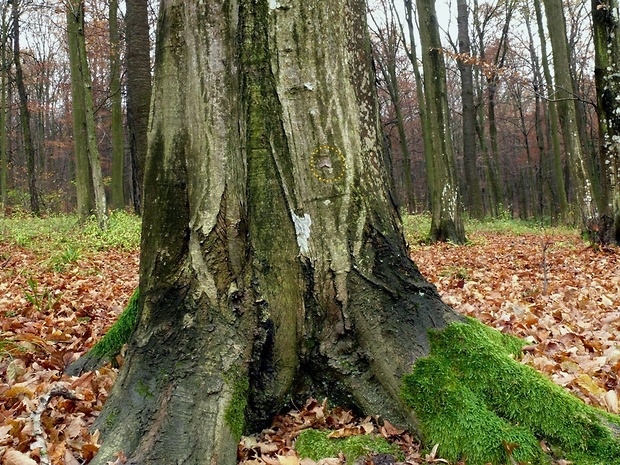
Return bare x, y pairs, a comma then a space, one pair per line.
3, 108
386, 57
118, 143
447, 221
419, 88
24, 113
79, 65
83, 180
138, 91
552, 119
493, 190
584, 194
470, 157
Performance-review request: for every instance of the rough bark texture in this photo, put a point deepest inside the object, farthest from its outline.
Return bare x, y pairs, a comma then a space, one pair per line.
447, 221
606, 22
138, 91
272, 260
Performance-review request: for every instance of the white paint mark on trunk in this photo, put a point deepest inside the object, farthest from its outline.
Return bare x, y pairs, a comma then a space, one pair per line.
302, 229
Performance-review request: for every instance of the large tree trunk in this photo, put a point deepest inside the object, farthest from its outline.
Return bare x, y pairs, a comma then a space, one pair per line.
273, 264
266, 214
138, 91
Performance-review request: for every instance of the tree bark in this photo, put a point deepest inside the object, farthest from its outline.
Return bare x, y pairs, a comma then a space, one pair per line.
118, 143
584, 194
606, 24
83, 180
272, 262
474, 197
82, 85
419, 89
386, 57
138, 91
24, 116
267, 215
447, 221
3, 108
554, 129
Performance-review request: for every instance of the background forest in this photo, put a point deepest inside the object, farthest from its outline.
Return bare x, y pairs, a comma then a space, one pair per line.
76, 86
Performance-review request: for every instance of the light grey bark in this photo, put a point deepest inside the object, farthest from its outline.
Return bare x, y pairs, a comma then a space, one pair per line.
272, 256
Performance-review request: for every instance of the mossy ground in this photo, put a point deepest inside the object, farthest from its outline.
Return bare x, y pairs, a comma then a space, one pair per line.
118, 335
315, 444
475, 400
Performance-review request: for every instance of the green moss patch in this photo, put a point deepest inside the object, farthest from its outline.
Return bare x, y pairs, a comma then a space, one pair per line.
118, 335
235, 413
315, 444
476, 401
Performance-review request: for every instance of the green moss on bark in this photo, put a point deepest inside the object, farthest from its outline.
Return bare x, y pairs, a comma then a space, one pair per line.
118, 335
476, 401
315, 444
235, 413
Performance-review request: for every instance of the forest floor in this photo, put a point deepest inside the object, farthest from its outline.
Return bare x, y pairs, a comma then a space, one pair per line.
60, 290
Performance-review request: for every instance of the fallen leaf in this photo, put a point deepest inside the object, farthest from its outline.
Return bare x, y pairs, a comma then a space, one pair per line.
70, 459
288, 460
14, 457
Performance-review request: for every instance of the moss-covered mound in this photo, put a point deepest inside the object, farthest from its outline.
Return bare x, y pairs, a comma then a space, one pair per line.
478, 402
315, 444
